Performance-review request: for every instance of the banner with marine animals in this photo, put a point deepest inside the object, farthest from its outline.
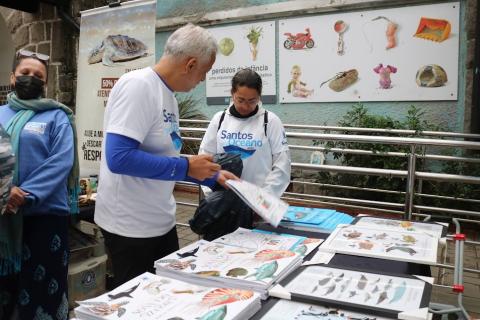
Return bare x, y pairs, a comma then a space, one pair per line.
113, 41
399, 54
150, 297
242, 46
381, 294
384, 243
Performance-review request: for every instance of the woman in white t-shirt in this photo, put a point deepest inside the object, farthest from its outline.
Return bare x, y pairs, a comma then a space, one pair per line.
256, 134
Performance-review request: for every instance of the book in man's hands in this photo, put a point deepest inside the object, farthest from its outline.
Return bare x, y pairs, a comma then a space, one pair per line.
266, 205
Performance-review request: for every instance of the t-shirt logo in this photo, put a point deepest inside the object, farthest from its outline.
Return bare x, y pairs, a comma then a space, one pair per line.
240, 143
170, 120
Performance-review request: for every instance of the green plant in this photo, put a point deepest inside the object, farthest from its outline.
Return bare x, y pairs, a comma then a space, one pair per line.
188, 109
358, 116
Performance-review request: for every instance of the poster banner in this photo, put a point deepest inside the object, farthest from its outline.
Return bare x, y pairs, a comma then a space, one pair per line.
399, 54
113, 41
242, 46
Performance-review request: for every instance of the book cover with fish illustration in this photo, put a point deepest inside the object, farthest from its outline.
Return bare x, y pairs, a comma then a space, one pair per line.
242, 259
381, 294
367, 241
150, 296
280, 309
433, 228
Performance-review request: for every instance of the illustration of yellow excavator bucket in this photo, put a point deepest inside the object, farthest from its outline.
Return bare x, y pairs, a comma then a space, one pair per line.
433, 29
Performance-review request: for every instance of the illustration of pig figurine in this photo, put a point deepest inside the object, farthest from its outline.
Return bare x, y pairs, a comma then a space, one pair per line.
384, 72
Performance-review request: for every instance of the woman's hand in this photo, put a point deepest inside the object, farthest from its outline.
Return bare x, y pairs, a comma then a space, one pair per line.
223, 176
16, 199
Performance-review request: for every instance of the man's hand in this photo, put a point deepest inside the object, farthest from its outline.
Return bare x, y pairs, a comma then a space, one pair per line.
223, 176
202, 167
16, 199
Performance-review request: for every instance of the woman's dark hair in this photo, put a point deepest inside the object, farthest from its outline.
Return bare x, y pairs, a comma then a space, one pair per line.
247, 78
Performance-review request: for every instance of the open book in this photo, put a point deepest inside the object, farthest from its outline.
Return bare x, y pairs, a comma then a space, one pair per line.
266, 205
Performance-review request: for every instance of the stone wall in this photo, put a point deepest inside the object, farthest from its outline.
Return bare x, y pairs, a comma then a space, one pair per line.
45, 32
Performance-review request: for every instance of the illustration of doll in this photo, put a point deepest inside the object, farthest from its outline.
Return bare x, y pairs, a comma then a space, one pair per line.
296, 87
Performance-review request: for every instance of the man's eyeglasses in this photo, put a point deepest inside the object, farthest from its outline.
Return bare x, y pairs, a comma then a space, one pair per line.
26, 53
250, 102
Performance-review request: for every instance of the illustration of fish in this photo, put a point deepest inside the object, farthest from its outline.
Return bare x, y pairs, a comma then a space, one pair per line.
382, 297
367, 297
244, 153
301, 250
239, 251
409, 239
209, 273
217, 314
190, 253
124, 294
266, 270
389, 285
236, 272
269, 254
362, 283
224, 296
189, 291
376, 289
323, 281
408, 250
345, 284
399, 292
330, 289
406, 224
339, 278
352, 294
352, 234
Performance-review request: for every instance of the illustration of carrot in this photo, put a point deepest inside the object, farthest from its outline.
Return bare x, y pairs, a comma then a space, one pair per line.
253, 36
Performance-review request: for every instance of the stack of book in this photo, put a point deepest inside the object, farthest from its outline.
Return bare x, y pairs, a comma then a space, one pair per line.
149, 296
244, 259
314, 219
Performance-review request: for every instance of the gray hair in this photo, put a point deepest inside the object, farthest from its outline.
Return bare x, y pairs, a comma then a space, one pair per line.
191, 41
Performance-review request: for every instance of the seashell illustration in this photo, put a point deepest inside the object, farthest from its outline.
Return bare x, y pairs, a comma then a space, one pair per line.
223, 296
269, 254
430, 75
362, 283
382, 297
409, 239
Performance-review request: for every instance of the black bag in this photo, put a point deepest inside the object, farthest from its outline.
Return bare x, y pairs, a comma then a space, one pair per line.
222, 211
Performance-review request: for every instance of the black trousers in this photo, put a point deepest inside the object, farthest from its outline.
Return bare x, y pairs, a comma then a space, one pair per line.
131, 257
40, 290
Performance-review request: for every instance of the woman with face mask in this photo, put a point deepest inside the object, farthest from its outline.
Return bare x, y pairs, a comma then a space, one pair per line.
34, 228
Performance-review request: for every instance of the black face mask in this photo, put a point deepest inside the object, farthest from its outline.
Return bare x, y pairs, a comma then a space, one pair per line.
28, 87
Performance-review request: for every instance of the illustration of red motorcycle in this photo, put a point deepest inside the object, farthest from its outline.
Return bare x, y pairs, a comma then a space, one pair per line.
299, 41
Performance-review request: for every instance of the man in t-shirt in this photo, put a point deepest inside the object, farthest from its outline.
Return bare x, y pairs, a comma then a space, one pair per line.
135, 206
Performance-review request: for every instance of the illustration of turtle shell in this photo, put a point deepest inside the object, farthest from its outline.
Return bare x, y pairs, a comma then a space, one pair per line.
223, 296
269, 254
